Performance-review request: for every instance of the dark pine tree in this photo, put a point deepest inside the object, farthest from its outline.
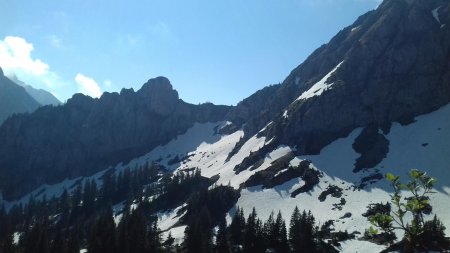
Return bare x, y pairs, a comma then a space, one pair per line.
222, 238
302, 232
37, 240
137, 232
73, 243
103, 237
237, 227
251, 232
198, 234
59, 244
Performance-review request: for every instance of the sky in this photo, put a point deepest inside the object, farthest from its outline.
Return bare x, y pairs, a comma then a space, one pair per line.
211, 51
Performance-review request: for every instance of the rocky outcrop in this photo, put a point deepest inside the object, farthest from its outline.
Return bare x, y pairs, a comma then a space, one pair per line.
86, 135
393, 65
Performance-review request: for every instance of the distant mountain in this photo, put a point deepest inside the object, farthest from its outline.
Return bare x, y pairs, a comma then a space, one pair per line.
14, 99
43, 97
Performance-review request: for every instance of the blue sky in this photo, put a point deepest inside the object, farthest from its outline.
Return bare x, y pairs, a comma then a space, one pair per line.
216, 51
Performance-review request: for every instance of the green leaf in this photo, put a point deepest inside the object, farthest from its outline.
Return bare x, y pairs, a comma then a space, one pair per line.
390, 177
416, 174
373, 231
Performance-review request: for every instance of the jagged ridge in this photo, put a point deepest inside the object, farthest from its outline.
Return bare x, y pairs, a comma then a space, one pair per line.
86, 135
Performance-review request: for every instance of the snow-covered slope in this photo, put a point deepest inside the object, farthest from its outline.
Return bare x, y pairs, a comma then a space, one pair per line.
424, 144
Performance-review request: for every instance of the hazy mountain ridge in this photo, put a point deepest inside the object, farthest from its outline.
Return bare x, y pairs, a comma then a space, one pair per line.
43, 97
14, 99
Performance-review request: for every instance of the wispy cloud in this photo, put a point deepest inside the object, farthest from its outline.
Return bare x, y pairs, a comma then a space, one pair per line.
55, 41
88, 86
15, 55
161, 30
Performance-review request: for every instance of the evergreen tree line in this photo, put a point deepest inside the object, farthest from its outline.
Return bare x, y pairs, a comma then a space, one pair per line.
45, 223
83, 219
252, 235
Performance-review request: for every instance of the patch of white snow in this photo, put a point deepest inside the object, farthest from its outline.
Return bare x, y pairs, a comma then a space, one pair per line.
355, 28
16, 237
435, 13
357, 246
318, 88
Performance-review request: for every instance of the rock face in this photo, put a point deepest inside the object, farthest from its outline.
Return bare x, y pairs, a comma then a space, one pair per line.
86, 135
394, 65
14, 99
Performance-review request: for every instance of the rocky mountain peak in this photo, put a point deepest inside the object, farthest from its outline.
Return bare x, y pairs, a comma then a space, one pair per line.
159, 95
1, 72
159, 86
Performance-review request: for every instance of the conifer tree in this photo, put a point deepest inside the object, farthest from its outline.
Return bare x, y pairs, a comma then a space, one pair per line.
59, 244
251, 232
302, 232
154, 237
222, 238
103, 237
198, 234
237, 227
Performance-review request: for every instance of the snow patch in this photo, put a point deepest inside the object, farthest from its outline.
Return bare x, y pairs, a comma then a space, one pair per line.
264, 128
355, 28
176, 232
217, 163
197, 136
358, 246
16, 237
435, 13
166, 220
318, 88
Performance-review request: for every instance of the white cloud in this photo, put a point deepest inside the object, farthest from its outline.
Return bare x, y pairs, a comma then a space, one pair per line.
88, 86
15, 55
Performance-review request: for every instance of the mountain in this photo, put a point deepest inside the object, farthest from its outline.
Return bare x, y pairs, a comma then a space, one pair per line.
86, 135
390, 65
373, 100
14, 99
43, 97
